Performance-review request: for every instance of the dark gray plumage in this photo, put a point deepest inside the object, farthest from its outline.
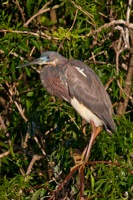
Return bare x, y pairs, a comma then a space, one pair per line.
75, 82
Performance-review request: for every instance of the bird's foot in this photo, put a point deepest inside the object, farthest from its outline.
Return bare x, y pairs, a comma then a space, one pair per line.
79, 160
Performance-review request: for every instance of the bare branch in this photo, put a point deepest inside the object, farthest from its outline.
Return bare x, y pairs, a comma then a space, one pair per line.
110, 24
109, 82
20, 9
85, 12
99, 53
38, 13
41, 11
11, 94
39, 145
127, 89
123, 35
127, 19
2, 123
34, 159
119, 85
4, 154
5, 129
119, 46
69, 176
43, 35
24, 142
37, 34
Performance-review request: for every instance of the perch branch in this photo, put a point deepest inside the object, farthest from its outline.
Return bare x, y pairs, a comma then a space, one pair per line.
69, 176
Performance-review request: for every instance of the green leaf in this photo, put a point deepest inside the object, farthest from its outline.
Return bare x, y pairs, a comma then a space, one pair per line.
30, 94
92, 182
23, 47
35, 43
99, 184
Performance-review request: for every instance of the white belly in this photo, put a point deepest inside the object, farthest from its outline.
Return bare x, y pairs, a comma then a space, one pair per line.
85, 113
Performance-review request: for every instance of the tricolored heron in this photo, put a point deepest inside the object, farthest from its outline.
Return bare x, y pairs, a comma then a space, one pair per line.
76, 83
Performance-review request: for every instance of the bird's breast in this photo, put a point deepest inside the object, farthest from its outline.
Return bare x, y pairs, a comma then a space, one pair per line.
85, 113
55, 82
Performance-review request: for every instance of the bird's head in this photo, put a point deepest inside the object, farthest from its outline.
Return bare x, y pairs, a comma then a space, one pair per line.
46, 58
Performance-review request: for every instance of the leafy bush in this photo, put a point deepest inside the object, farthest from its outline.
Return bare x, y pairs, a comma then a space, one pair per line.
39, 133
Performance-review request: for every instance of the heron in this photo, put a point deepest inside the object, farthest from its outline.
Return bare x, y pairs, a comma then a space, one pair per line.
77, 83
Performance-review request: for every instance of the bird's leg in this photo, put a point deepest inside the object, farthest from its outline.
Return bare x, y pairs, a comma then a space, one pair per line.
81, 160
94, 134
85, 157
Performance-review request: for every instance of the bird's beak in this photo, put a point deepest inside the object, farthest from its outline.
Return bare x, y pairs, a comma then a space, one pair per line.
39, 61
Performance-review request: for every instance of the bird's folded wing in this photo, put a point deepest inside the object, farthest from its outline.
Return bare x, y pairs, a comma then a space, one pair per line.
85, 86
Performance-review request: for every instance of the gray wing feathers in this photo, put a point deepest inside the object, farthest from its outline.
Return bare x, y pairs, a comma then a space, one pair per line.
90, 92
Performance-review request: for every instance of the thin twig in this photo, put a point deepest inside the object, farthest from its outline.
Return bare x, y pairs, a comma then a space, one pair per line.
5, 129
20, 9
108, 25
120, 87
38, 187
85, 12
25, 140
43, 35
39, 145
41, 11
109, 82
69, 29
110, 163
37, 34
2, 123
81, 177
69, 176
19, 107
4, 154
38, 13
128, 19
34, 159
59, 188
123, 35
99, 53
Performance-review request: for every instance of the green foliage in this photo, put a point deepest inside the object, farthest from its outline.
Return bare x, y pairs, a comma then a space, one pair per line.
39, 133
